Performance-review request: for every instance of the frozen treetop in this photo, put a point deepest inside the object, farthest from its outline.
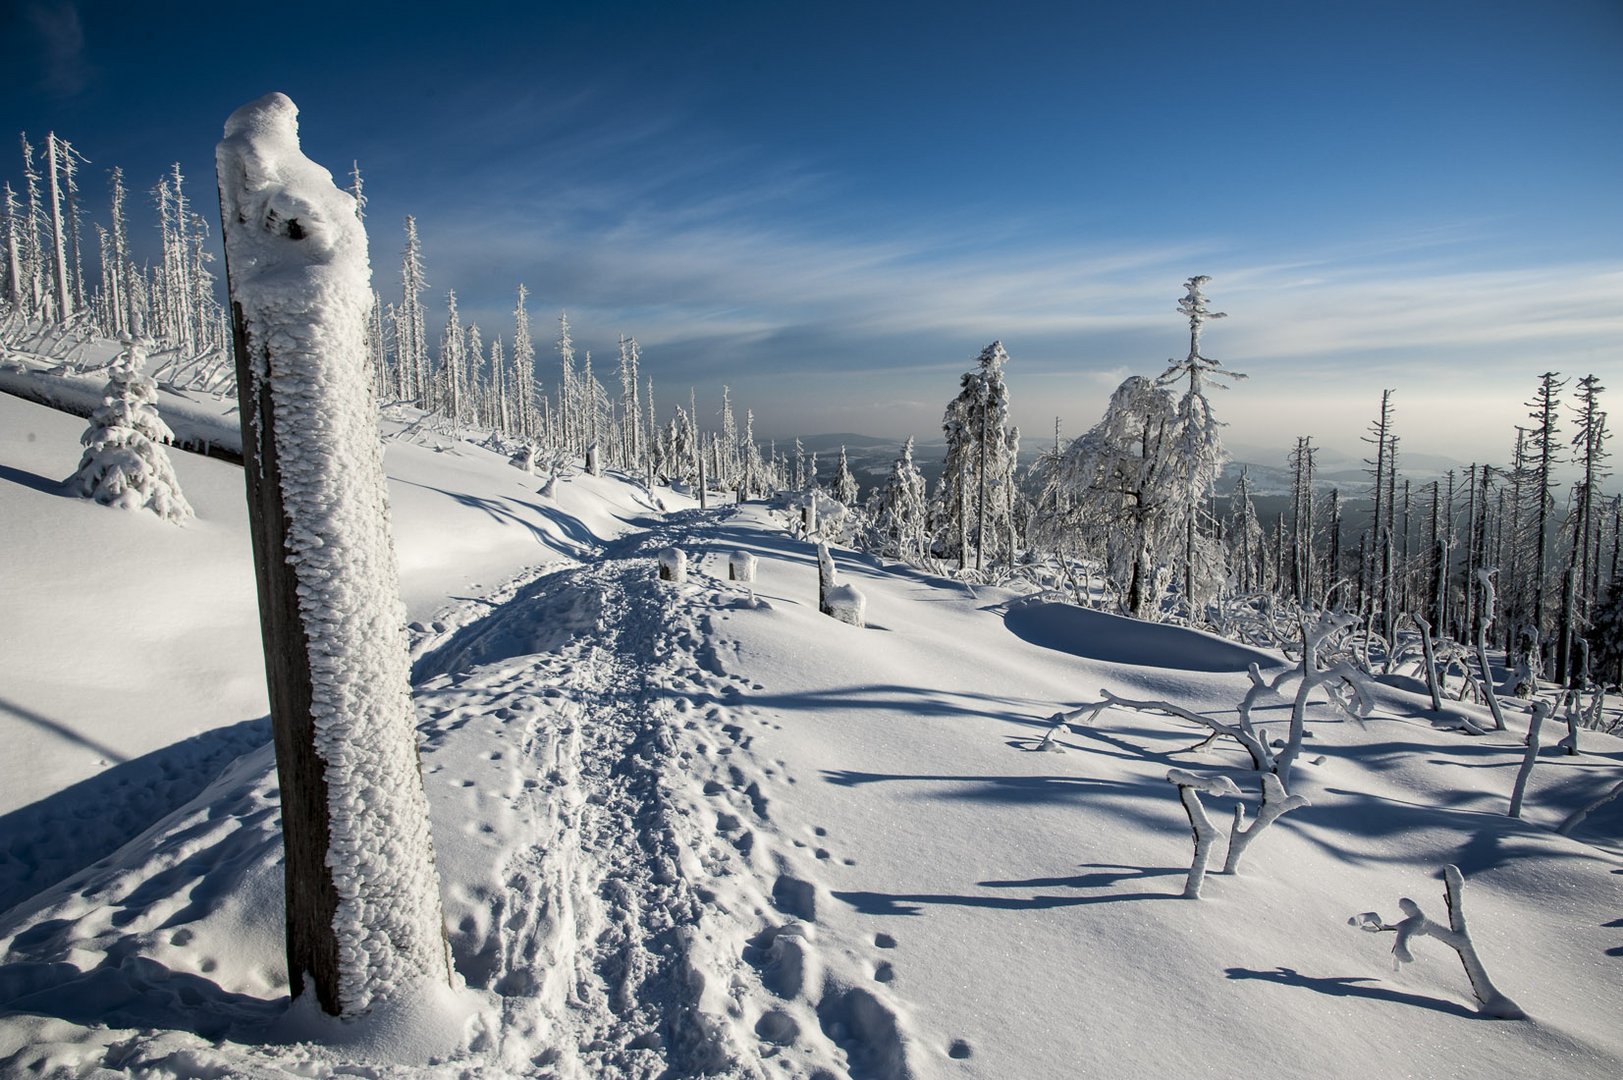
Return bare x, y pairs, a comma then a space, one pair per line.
268, 185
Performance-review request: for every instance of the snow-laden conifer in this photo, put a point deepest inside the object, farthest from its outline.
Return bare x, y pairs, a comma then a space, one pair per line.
1120, 491
845, 485
125, 463
899, 512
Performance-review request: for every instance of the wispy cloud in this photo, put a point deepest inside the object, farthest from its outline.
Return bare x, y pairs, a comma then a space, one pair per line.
65, 69
731, 270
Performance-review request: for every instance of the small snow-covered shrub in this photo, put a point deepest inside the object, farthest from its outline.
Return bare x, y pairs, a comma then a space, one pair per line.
741, 566
673, 565
125, 463
847, 604
523, 458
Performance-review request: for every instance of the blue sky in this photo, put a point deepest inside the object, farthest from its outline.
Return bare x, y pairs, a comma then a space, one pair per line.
833, 207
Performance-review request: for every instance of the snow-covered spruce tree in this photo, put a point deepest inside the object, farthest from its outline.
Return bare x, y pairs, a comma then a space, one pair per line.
1197, 451
364, 918
977, 440
900, 512
845, 485
125, 463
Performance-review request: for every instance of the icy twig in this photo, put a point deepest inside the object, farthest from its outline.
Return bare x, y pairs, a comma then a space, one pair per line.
1275, 805
1541, 711
1205, 833
1455, 935
1577, 816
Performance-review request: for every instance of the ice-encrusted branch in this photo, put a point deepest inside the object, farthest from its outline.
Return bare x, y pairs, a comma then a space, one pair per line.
1541, 712
1190, 785
1261, 757
1276, 803
1577, 816
1485, 620
1455, 935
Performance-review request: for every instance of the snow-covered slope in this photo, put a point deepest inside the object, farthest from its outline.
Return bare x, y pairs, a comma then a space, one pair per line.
703, 830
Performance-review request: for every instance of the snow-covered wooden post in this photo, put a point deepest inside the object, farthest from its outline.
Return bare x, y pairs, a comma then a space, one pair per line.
741, 566
364, 918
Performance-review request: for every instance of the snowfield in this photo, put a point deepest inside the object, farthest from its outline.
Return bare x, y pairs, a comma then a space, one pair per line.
699, 829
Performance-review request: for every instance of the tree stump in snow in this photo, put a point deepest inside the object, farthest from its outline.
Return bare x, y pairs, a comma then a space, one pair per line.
741, 566
673, 565
593, 466
827, 577
808, 516
847, 604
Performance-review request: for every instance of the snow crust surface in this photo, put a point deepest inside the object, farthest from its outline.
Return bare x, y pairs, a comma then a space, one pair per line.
704, 830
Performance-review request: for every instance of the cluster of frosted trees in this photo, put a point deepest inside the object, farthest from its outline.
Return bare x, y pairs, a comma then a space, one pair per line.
44, 281
1505, 546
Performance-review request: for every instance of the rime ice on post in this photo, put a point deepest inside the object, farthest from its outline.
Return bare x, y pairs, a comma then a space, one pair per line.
363, 903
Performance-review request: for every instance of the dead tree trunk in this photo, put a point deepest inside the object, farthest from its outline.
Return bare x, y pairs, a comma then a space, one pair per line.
364, 918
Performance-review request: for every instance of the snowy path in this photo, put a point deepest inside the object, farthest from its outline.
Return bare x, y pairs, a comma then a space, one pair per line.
629, 933
686, 833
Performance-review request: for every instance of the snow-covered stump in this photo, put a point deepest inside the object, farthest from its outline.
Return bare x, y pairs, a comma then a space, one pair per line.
808, 515
1541, 712
593, 466
741, 566
523, 458
1190, 785
1275, 805
364, 918
673, 565
1455, 935
1574, 721
847, 604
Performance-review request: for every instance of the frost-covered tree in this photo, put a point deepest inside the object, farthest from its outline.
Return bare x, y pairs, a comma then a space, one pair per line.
125, 463
1197, 451
845, 485
1119, 491
899, 511
524, 370
410, 329
975, 425
1542, 458
1245, 537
